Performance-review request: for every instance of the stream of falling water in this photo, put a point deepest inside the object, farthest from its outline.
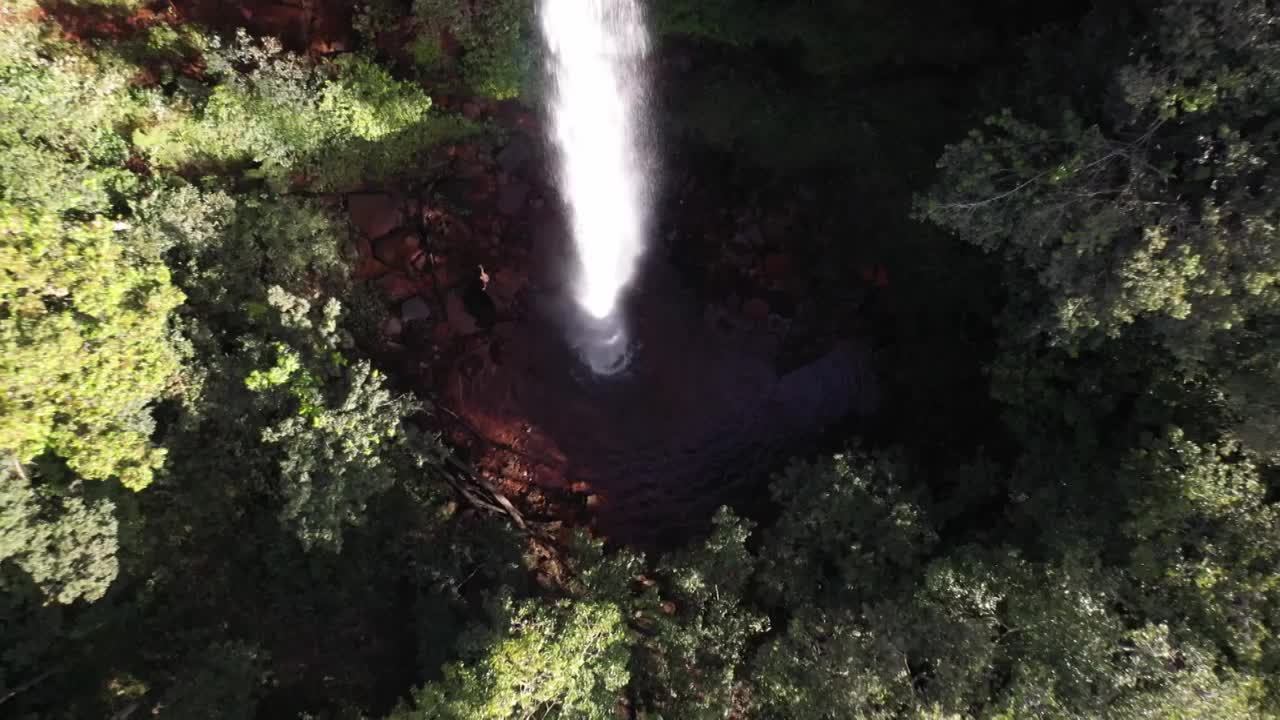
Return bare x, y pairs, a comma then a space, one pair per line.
597, 111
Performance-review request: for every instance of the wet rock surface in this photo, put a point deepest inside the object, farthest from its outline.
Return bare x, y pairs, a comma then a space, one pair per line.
414, 309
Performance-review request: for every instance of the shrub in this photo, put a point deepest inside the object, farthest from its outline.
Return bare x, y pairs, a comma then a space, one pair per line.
333, 125
497, 60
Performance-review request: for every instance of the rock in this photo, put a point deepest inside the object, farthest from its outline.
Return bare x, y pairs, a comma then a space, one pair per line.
330, 32
511, 114
479, 305
413, 207
396, 287
455, 190
441, 333
877, 275
750, 236
471, 365
497, 351
374, 214
550, 255
775, 228
470, 169
550, 235
460, 321
328, 47
367, 266
516, 154
777, 266
397, 248
370, 268
756, 310
512, 196
415, 308
504, 286
780, 303
420, 261
778, 325
457, 234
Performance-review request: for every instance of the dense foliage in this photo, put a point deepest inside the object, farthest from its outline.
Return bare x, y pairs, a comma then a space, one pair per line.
214, 505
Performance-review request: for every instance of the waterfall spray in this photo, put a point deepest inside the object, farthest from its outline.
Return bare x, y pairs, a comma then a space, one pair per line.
596, 50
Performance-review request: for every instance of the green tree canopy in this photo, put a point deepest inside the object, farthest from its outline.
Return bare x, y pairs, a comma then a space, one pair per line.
85, 346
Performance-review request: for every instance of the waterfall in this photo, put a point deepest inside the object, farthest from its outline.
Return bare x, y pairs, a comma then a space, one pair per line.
596, 52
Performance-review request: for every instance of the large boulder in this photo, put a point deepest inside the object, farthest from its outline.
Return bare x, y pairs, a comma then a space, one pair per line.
375, 214
414, 309
398, 247
461, 322
396, 286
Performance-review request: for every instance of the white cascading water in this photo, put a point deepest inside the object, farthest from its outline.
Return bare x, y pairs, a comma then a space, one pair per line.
596, 50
